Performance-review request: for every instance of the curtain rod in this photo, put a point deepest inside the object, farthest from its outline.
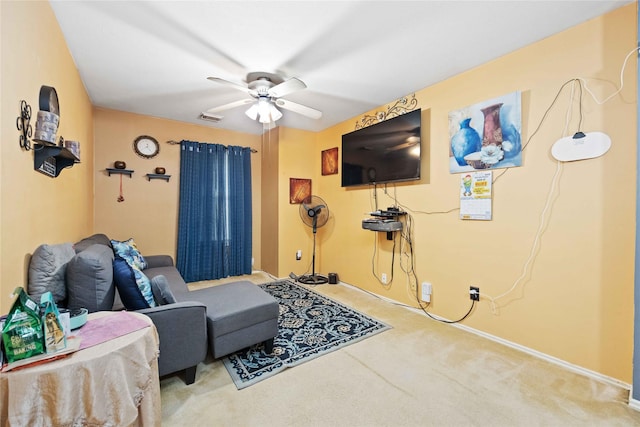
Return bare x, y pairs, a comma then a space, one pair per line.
172, 142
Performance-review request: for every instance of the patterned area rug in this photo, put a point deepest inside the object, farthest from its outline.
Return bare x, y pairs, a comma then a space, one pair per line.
310, 325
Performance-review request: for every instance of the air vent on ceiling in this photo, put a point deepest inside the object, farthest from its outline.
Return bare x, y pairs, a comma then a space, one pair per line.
210, 117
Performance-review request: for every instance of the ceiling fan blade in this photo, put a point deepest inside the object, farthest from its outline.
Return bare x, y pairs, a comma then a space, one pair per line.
298, 108
230, 105
287, 87
233, 85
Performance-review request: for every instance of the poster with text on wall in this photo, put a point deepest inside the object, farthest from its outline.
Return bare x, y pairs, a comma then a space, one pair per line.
486, 135
475, 195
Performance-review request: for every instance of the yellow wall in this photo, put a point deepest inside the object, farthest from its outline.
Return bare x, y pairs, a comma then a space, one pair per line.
297, 159
577, 301
34, 208
149, 212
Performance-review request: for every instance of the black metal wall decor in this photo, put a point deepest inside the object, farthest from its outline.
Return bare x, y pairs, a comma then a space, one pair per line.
48, 158
401, 106
23, 125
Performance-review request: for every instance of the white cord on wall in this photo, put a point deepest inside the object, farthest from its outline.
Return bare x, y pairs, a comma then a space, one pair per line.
554, 182
624, 65
534, 246
541, 226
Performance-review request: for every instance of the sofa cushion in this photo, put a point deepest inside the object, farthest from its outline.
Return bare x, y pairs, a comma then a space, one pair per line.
178, 286
133, 286
90, 279
47, 271
162, 291
129, 251
96, 239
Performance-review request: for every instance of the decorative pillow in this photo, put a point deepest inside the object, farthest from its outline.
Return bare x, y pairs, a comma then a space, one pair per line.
96, 239
47, 269
161, 290
129, 251
133, 286
90, 279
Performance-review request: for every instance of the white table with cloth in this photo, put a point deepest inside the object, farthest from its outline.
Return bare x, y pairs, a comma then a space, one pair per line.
112, 380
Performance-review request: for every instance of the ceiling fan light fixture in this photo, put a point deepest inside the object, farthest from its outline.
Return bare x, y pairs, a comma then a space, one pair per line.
264, 111
265, 119
252, 112
275, 113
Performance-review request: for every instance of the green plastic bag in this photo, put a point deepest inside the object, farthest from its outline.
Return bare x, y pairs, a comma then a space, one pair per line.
22, 331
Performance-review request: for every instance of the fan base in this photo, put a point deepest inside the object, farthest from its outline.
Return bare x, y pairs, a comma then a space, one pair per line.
313, 279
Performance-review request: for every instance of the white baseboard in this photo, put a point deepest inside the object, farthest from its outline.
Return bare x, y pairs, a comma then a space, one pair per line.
564, 364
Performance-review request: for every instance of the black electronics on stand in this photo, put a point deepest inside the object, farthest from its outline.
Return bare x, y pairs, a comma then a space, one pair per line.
384, 220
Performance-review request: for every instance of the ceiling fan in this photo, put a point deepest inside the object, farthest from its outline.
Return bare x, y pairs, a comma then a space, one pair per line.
266, 90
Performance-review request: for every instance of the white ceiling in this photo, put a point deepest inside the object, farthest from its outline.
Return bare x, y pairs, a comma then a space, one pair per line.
154, 57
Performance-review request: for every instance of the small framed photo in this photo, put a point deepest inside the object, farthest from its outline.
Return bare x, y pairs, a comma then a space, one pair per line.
330, 161
299, 190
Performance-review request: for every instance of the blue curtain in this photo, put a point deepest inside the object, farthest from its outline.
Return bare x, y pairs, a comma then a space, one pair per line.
214, 217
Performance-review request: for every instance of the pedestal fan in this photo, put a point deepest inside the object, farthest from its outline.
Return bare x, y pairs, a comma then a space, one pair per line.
314, 213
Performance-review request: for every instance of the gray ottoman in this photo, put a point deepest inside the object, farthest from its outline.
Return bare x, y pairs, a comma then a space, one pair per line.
239, 315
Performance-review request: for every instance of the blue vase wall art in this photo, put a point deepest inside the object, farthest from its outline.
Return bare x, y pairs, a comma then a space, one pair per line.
465, 141
511, 144
489, 133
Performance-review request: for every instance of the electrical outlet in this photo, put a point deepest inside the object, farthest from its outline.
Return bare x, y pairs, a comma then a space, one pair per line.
474, 293
298, 254
383, 278
426, 291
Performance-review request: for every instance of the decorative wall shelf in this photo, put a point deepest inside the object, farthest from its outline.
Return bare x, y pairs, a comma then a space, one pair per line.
51, 159
151, 176
22, 123
114, 171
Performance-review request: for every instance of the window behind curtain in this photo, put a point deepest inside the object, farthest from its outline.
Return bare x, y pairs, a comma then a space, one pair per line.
214, 217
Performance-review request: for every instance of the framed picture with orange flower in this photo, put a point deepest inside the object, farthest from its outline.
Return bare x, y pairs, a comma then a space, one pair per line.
330, 161
299, 190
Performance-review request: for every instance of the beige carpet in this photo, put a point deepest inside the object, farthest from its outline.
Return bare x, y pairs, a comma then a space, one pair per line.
421, 372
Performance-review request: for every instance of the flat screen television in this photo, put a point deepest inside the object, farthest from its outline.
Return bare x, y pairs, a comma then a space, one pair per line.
384, 152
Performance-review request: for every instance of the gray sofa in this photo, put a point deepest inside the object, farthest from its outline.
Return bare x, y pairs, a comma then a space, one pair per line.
239, 314
222, 319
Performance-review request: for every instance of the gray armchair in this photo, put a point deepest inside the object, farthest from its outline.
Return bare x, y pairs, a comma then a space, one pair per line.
182, 326
182, 329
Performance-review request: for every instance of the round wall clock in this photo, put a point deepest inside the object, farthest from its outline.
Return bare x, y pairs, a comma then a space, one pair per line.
146, 146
